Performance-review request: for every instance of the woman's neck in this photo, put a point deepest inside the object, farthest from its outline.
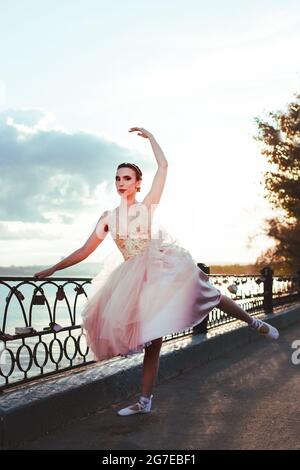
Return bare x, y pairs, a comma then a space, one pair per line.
128, 202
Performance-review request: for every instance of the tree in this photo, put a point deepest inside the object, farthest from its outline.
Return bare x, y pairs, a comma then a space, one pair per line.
280, 138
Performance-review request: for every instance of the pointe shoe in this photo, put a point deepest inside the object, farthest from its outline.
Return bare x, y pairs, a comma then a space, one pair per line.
141, 406
264, 329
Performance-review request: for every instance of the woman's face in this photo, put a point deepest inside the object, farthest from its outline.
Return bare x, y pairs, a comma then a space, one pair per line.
126, 182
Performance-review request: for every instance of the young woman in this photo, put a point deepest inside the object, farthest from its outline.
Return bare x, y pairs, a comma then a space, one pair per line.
157, 290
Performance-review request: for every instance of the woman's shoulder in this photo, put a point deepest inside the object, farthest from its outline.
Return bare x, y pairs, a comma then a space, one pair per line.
104, 214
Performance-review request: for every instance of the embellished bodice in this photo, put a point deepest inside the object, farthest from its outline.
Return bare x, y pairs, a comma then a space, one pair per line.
131, 233
130, 247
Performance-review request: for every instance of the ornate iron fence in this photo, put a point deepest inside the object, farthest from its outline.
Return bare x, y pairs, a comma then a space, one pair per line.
41, 333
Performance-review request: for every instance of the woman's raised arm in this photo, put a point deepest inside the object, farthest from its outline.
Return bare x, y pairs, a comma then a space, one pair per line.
158, 184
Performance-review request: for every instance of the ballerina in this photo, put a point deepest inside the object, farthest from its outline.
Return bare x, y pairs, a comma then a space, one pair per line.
158, 289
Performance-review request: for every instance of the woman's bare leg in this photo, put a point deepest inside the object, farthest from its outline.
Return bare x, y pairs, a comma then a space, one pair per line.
231, 307
150, 366
151, 357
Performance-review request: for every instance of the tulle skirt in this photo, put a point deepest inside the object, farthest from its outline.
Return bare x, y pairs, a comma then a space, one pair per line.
154, 293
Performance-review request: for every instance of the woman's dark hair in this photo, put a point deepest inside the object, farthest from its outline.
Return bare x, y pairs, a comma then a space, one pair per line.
134, 167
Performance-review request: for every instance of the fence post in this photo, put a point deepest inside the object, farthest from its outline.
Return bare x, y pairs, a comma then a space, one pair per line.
298, 282
268, 272
202, 327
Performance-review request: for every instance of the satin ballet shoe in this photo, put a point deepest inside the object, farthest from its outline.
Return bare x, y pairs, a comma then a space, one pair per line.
142, 406
264, 329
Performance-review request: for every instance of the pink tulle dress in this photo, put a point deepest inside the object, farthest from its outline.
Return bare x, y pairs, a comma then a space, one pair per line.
158, 289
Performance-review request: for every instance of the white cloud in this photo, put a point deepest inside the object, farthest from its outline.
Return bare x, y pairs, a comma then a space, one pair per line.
51, 175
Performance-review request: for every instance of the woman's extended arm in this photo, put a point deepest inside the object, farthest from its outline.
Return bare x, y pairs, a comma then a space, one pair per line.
158, 184
83, 252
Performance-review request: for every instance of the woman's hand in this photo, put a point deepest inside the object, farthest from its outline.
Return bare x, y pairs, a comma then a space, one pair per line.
142, 132
45, 273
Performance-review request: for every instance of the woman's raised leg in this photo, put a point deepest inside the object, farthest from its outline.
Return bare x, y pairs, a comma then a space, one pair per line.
232, 308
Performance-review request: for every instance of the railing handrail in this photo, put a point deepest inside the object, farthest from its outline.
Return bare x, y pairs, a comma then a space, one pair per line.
32, 278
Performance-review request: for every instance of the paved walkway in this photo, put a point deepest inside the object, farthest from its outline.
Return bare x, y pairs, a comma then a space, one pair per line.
247, 400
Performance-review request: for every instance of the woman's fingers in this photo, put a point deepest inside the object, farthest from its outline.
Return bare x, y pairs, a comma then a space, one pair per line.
141, 131
41, 274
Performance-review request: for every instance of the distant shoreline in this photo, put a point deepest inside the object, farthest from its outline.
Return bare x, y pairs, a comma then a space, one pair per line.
81, 269
92, 269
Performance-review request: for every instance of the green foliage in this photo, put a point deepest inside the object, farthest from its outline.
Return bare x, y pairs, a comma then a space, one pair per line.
279, 135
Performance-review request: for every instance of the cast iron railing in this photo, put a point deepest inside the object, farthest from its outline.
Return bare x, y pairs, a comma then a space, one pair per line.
50, 339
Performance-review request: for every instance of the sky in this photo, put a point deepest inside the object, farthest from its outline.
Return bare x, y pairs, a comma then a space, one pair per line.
76, 75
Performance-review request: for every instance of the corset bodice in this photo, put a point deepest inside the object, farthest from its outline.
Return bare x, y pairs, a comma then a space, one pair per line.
135, 234
130, 247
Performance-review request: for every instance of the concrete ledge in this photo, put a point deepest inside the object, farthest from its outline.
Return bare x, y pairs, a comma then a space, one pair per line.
36, 409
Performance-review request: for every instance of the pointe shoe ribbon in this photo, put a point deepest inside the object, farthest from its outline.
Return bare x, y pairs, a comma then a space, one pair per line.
139, 407
264, 329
